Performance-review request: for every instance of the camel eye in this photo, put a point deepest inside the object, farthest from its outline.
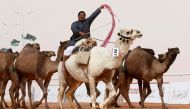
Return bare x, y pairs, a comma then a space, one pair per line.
138, 32
128, 32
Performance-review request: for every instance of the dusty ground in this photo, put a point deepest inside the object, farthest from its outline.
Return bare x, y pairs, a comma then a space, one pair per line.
123, 106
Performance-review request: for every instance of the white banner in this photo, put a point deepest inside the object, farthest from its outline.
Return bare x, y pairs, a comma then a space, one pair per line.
179, 93
174, 93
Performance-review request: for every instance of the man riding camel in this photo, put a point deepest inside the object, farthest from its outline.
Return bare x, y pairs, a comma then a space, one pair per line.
81, 29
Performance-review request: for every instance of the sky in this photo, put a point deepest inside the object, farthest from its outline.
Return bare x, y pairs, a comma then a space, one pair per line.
164, 23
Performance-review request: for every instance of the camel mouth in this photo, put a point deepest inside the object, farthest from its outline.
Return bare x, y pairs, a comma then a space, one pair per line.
140, 35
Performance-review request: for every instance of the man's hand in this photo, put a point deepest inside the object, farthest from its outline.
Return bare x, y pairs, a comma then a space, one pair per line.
82, 33
101, 7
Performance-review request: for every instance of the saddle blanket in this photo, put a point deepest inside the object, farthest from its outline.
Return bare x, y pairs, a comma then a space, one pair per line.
69, 50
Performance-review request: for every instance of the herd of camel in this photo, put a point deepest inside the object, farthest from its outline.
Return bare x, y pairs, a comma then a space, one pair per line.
117, 72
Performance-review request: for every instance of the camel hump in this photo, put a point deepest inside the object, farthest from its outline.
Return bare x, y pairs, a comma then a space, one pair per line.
148, 50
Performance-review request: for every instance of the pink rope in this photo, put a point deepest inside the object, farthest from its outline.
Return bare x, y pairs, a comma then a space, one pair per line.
106, 41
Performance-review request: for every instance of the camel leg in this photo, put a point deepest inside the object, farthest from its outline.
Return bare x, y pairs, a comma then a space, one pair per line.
1, 93
23, 91
46, 84
117, 79
140, 90
62, 83
88, 91
40, 83
70, 94
3, 88
74, 99
30, 93
17, 96
148, 89
143, 94
116, 83
14, 85
160, 83
11, 92
124, 90
62, 88
92, 92
112, 93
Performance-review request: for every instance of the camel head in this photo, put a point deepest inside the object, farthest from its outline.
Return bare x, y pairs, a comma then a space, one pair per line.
16, 53
49, 53
129, 34
172, 52
63, 45
10, 50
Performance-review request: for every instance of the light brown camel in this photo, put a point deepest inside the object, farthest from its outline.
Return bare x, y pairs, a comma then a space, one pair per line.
23, 82
32, 64
100, 67
149, 68
8, 72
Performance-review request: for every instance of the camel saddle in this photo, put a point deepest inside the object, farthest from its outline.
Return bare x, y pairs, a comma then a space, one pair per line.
83, 51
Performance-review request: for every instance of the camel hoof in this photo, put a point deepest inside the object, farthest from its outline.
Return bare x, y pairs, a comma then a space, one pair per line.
95, 108
36, 103
114, 105
13, 107
164, 106
6, 105
97, 105
47, 107
23, 104
1, 107
131, 106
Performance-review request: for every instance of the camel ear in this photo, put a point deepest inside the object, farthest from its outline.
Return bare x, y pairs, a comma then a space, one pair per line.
169, 49
131, 31
61, 42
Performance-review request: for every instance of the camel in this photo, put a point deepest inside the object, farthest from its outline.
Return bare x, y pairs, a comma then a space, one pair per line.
8, 72
23, 82
32, 64
120, 78
149, 68
64, 78
102, 69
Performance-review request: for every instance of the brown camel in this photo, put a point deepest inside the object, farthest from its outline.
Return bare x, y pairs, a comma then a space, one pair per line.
23, 82
32, 64
119, 82
144, 66
8, 72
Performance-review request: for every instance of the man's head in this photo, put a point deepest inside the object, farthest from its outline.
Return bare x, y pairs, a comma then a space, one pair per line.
81, 15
